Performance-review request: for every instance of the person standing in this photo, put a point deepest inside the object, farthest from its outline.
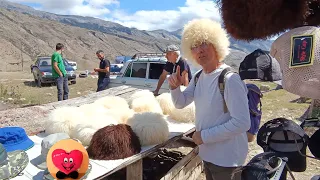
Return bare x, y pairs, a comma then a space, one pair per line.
59, 73
103, 71
221, 136
174, 60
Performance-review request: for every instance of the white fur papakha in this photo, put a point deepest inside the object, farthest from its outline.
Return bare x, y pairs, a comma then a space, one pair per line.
146, 104
62, 120
138, 94
186, 114
204, 30
151, 128
113, 102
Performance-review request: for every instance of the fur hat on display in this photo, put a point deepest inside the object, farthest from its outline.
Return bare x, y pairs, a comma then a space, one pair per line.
114, 142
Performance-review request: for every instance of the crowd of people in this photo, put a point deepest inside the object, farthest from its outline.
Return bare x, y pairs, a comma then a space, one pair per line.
221, 136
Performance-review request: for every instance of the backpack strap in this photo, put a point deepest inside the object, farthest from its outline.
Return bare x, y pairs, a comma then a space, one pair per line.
222, 86
197, 77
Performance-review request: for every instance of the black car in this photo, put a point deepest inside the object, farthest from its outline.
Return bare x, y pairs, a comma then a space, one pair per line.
42, 71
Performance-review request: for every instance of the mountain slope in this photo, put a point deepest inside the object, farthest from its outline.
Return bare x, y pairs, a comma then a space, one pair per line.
117, 29
26, 33
238, 45
23, 37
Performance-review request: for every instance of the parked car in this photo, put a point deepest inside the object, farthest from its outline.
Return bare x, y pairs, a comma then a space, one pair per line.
73, 64
84, 74
115, 69
142, 72
42, 71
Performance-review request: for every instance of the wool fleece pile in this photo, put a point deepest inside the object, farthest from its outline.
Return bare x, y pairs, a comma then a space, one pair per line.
125, 125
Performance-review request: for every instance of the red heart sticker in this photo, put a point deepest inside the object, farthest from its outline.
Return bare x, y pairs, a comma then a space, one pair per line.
67, 162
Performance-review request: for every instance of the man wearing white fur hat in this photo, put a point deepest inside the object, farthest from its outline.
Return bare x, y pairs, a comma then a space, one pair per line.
222, 138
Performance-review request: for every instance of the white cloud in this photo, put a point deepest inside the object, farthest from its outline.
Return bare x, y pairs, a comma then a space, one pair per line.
94, 8
142, 19
170, 19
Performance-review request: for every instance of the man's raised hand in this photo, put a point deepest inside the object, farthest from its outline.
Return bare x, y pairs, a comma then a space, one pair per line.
175, 80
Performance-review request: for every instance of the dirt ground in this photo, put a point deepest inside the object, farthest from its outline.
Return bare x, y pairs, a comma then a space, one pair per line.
17, 89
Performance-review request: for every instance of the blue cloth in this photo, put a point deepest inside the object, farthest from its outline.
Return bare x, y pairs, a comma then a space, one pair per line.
15, 138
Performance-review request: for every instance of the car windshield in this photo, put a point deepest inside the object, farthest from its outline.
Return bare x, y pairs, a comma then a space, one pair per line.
66, 62
45, 62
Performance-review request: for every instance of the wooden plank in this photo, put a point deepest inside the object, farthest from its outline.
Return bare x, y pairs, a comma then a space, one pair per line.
191, 170
195, 173
145, 154
181, 164
90, 98
135, 171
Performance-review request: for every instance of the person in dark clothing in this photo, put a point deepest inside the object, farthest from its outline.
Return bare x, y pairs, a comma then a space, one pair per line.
174, 60
103, 71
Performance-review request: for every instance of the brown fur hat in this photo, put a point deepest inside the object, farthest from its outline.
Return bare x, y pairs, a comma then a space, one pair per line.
114, 142
257, 19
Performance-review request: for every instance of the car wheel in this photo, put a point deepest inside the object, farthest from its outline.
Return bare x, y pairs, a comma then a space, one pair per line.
73, 82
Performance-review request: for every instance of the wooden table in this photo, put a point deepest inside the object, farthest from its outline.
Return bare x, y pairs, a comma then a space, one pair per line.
32, 119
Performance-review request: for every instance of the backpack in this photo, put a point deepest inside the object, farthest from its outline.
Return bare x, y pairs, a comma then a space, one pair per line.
264, 166
287, 139
254, 98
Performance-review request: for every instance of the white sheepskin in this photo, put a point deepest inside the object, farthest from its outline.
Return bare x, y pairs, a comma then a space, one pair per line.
146, 104
86, 129
92, 109
113, 102
151, 128
185, 115
165, 103
62, 120
138, 94
121, 115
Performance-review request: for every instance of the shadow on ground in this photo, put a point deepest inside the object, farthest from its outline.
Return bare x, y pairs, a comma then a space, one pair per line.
301, 100
33, 84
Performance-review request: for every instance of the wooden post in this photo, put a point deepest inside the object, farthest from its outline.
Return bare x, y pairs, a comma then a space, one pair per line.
135, 171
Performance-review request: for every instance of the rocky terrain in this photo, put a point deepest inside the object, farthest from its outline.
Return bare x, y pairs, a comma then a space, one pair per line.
24, 37
26, 33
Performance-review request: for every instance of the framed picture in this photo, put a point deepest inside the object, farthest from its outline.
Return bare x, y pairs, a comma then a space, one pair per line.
302, 50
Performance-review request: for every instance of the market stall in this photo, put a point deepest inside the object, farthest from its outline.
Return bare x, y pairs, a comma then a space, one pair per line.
189, 167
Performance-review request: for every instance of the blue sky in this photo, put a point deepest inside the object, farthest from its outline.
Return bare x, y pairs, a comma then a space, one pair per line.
141, 14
